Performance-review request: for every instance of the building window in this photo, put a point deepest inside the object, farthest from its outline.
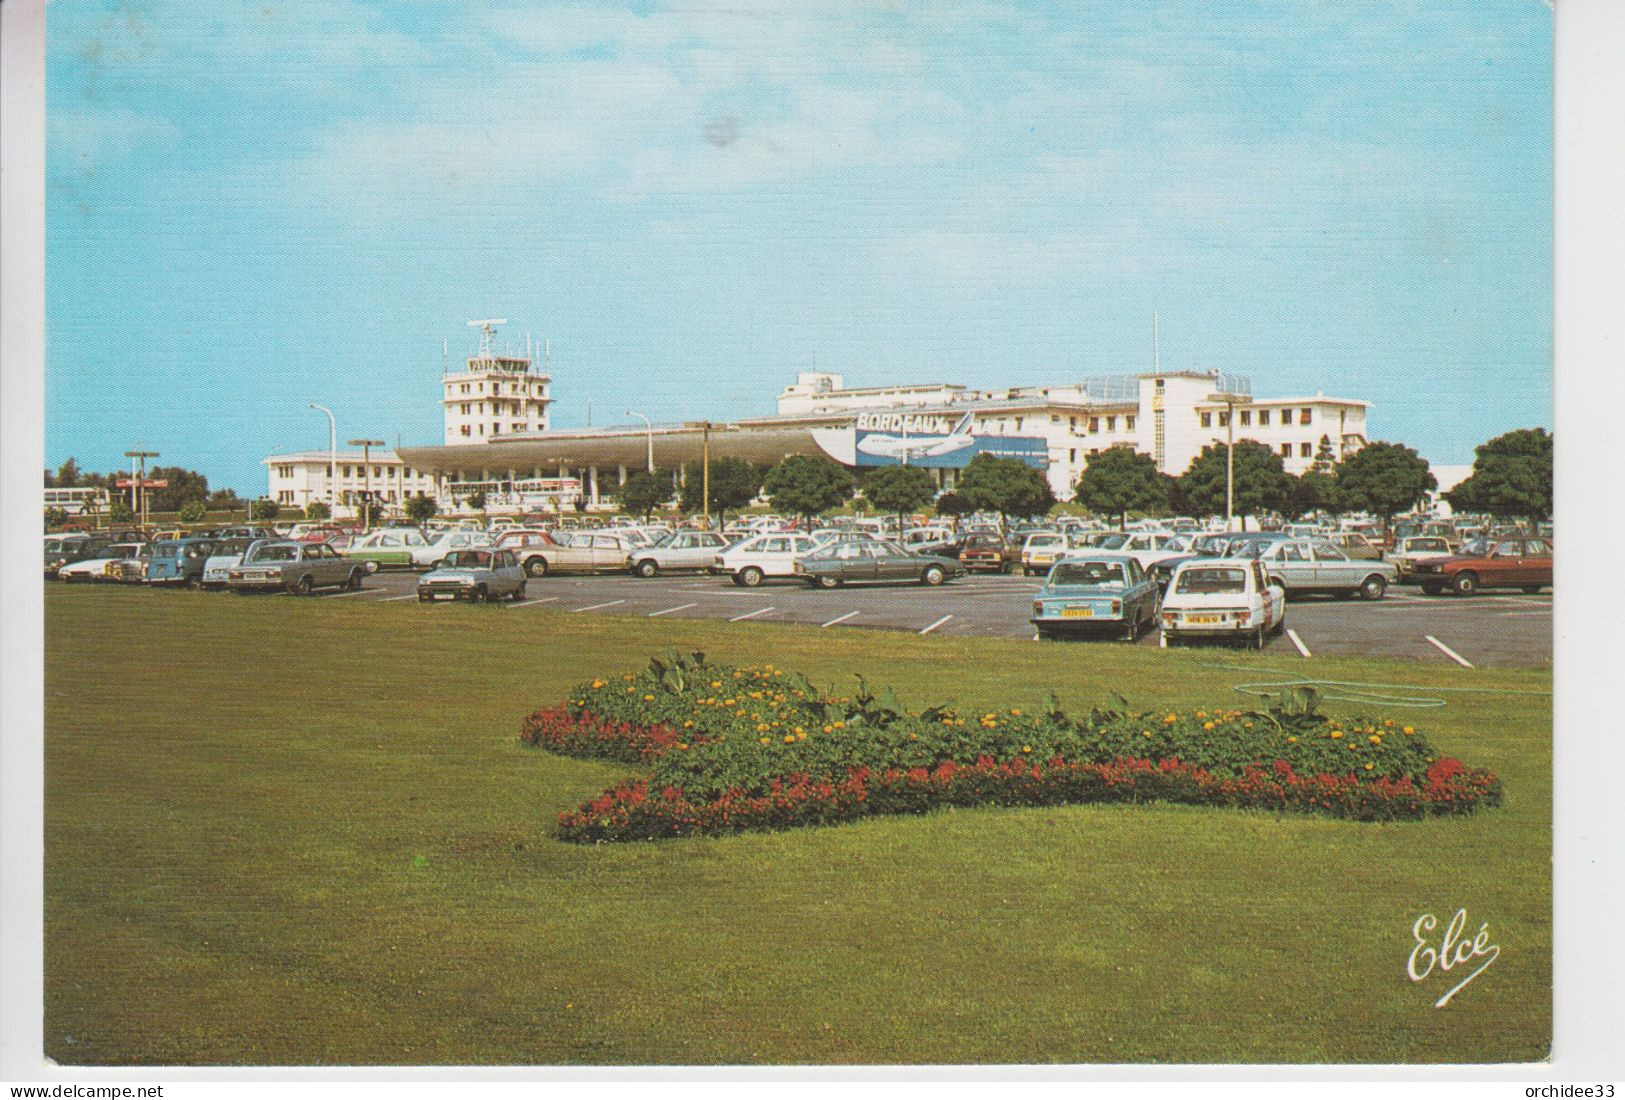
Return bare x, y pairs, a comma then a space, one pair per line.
1263, 418
481, 429
1286, 416
1224, 420
1304, 450
496, 429
1207, 420
1304, 415
1286, 450
1159, 383
465, 430
518, 427
1111, 423
346, 471
1128, 423
1094, 423
1246, 418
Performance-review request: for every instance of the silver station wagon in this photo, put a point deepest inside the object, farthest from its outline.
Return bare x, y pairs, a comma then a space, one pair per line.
481, 576
1301, 566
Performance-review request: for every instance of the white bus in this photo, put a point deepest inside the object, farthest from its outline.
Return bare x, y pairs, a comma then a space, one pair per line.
76, 502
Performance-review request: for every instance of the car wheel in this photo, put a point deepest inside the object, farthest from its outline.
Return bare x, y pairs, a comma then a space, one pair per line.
423, 597
482, 594
647, 568
932, 576
826, 581
537, 566
372, 567
355, 580
1045, 635
750, 576
1465, 584
1374, 588
519, 593
1432, 589
1531, 589
304, 586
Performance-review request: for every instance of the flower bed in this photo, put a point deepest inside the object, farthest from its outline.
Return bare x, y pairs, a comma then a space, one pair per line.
729, 749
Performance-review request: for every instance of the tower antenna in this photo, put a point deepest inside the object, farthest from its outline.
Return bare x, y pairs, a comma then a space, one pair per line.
487, 329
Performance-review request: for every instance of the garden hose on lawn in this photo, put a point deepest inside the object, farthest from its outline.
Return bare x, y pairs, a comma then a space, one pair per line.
1357, 691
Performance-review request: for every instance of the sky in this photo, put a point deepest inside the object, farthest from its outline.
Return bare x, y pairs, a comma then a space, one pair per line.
251, 207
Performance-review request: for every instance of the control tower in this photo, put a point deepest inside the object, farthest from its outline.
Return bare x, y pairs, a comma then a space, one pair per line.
496, 395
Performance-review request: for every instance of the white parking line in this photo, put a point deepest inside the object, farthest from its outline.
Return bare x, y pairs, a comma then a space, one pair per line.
1303, 650
936, 624
842, 619
392, 599
751, 615
596, 606
355, 592
1448, 652
544, 599
669, 610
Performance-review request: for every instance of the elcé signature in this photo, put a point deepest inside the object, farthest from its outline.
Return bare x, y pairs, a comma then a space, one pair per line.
1451, 952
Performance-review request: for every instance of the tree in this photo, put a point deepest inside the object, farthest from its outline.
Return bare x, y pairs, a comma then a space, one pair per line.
643, 492
184, 486
420, 509
476, 500
120, 511
1384, 478
1261, 481
266, 509
193, 512
1120, 479
55, 517
67, 475
225, 500
1007, 486
805, 485
1315, 490
734, 484
1512, 476
898, 489
953, 505
318, 509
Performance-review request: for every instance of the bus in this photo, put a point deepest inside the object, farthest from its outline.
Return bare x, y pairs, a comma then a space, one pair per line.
77, 502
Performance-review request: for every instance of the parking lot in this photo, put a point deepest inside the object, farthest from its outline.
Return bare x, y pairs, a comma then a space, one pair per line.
1488, 630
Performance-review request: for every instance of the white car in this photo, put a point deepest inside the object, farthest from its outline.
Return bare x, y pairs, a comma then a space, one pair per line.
749, 562
1222, 598
226, 554
1044, 548
428, 554
97, 568
677, 551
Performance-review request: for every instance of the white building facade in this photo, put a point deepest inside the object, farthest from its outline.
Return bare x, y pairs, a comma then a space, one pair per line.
494, 396
297, 479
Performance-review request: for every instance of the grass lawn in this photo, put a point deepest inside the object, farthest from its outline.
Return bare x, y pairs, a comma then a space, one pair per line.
302, 831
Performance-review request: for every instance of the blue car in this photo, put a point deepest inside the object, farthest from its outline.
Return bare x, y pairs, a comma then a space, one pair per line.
178, 562
1094, 593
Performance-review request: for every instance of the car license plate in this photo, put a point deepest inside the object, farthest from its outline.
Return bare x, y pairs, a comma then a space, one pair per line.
1077, 612
1204, 619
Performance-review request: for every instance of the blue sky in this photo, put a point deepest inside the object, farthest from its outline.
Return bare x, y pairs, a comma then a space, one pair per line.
255, 206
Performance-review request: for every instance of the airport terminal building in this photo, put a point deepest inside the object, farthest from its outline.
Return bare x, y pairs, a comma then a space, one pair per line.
498, 441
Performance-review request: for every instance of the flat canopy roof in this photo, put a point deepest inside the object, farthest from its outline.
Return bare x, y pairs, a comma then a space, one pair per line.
672, 447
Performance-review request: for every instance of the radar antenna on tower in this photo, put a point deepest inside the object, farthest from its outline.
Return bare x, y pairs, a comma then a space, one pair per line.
487, 330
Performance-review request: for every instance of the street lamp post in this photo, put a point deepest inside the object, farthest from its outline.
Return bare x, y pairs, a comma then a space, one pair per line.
1230, 401
332, 461
138, 488
649, 428
366, 446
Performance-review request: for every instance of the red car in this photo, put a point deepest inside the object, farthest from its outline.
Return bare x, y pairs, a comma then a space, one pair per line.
990, 553
1524, 563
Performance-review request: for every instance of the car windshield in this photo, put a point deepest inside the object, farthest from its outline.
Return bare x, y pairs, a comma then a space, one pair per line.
227, 547
468, 559
1438, 546
1111, 542
1087, 573
1209, 579
1478, 548
275, 552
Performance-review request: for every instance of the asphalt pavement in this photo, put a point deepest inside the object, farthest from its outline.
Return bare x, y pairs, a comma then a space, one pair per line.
1489, 630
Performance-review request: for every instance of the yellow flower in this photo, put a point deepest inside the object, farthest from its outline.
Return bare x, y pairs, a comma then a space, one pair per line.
1410, 729
761, 727
765, 740
1292, 740
648, 698
801, 736
1014, 713
1026, 748
727, 702
829, 729
1145, 733
598, 683
1246, 725
1374, 739
1368, 767
1336, 734
1388, 722
1170, 720
1207, 725
716, 683
799, 731
680, 745
688, 724
840, 725
1201, 714
629, 691
789, 738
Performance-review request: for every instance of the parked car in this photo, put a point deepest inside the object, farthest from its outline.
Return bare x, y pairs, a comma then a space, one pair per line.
430, 553
64, 550
392, 546
1095, 591
1356, 545
297, 567
677, 552
177, 561
225, 554
481, 575
751, 561
1044, 548
100, 566
873, 561
1302, 566
576, 552
1410, 550
1232, 598
131, 569
989, 552
1524, 563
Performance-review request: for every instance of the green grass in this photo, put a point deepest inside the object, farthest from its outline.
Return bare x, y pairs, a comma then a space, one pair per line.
286, 831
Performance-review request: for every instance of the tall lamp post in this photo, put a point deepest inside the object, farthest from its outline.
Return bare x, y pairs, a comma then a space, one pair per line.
1230, 401
332, 461
138, 487
366, 446
649, 429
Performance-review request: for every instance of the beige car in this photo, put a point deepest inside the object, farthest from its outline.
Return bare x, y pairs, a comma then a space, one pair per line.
578, 552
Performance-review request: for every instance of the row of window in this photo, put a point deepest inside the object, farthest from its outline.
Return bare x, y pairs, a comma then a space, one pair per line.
378, 472
534, 389
1305, 416
515, 408
1305, 450
496, 429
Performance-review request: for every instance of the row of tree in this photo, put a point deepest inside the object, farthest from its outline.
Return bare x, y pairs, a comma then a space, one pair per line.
185, 487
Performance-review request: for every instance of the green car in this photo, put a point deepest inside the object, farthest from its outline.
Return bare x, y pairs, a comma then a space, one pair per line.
392, 547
